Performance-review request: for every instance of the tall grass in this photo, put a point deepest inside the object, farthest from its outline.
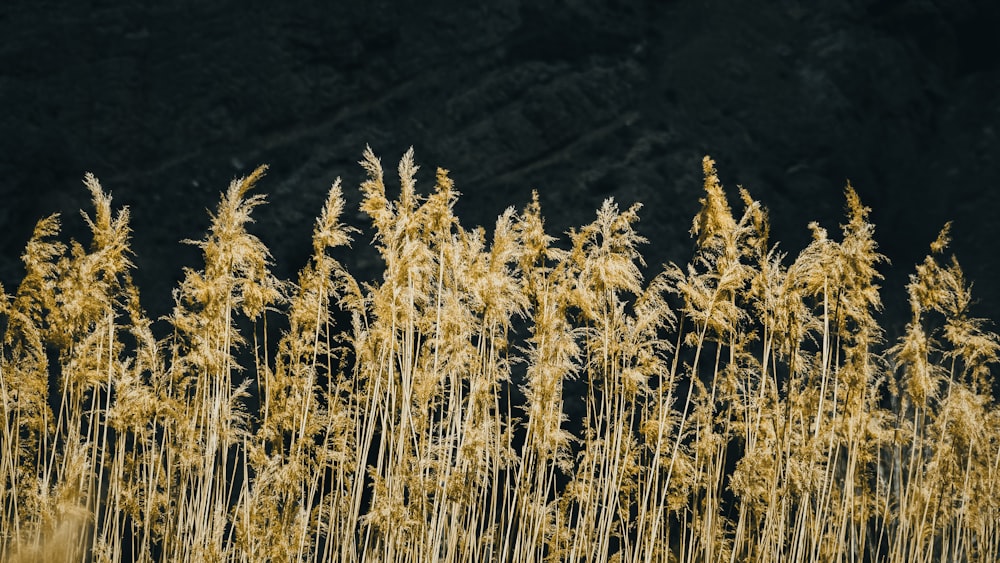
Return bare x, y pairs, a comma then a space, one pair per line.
505, 397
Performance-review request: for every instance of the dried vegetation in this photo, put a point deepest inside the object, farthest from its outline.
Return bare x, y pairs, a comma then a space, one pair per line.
745, 407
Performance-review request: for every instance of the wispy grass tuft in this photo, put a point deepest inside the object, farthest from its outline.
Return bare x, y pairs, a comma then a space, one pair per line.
513, 397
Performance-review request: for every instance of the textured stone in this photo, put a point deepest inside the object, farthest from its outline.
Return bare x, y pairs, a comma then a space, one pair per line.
582, 100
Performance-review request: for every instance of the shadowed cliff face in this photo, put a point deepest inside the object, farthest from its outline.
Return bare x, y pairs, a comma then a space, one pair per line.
594, 99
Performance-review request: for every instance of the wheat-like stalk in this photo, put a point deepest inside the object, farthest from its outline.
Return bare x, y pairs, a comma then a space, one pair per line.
504, 396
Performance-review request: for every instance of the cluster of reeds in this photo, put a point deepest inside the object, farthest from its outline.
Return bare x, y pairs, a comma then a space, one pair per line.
494, 398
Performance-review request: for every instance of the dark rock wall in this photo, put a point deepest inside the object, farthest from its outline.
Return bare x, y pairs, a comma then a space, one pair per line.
583, 100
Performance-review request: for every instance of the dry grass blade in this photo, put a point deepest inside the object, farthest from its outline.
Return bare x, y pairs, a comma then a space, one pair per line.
512, 397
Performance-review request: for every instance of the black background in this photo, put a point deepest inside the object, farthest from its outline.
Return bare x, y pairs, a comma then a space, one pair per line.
166, 102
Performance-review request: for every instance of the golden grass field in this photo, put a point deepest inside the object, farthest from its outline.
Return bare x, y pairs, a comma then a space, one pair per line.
743, 407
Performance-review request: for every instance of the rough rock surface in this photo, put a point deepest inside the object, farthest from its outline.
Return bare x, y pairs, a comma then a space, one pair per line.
581, 100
